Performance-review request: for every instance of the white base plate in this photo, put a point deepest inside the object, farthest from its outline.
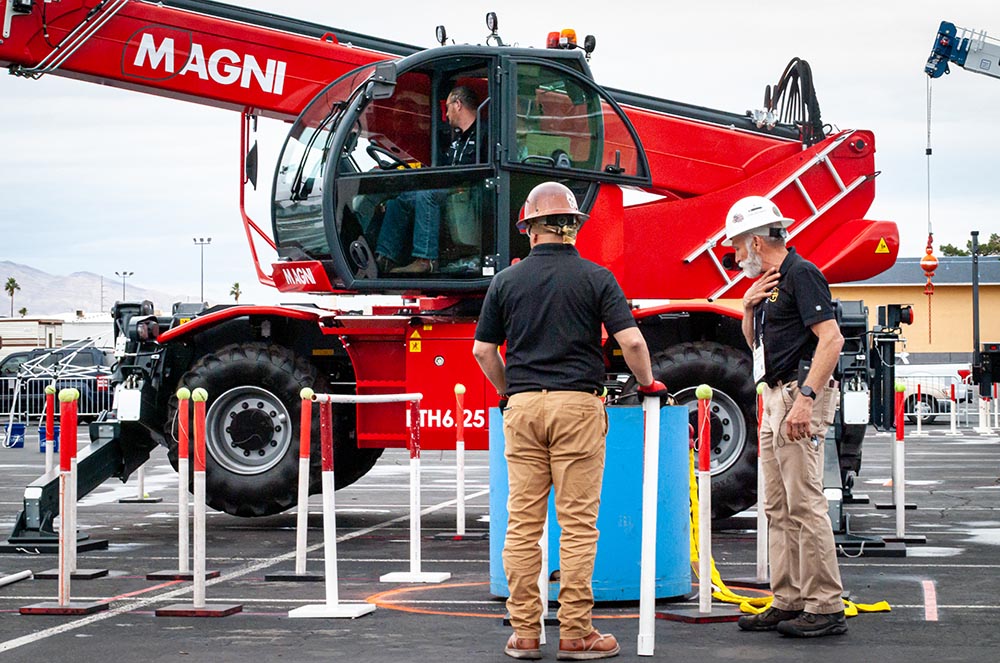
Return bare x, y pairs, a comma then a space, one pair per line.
406, 576
339, 611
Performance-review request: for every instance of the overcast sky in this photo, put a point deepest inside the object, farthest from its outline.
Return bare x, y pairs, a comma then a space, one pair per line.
96, 179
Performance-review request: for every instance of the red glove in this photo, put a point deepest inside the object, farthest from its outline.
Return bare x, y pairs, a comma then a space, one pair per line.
655, 390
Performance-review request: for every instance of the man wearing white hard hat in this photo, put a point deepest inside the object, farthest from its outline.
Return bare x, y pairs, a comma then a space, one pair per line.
790, 324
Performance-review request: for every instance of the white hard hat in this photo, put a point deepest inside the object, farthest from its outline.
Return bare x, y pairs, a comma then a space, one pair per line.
752, 213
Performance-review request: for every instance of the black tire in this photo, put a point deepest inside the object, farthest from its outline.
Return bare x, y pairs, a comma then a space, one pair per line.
734, 415
253, 394
926, 408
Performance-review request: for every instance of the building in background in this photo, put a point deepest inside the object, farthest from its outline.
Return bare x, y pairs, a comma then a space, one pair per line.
26, 333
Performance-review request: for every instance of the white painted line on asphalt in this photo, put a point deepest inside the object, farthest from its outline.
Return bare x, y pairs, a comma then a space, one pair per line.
930, 601
238, 573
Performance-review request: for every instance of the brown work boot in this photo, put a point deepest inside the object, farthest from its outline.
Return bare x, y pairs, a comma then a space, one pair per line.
418, 266
592, 647
523, 647
767, 620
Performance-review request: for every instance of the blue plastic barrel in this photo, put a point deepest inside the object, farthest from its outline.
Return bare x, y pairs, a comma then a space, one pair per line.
13, 435
616, 568
42, 438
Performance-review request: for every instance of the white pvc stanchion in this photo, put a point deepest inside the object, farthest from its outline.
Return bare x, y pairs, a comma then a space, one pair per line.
543, 578
333, 608
647, 560
953, 413
984, 418
198, 607
141, 497
15, 577
415, 574
996, 406
918, 412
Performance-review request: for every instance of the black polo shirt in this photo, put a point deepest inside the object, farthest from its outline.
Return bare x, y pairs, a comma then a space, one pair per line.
800, 300
549, 309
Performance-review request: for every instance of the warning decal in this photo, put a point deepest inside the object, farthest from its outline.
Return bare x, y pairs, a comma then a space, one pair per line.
415, 342
882, 246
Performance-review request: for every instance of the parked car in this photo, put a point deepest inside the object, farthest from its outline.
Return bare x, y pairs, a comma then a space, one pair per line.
935, 382
88, 369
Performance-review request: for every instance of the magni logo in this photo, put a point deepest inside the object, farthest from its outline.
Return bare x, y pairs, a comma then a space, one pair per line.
159, 53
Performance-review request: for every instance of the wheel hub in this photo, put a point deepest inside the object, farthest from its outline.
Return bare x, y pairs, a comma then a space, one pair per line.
248, 430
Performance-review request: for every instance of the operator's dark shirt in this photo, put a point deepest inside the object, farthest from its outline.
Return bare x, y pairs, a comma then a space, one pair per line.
800, 300
549, 308
464, 151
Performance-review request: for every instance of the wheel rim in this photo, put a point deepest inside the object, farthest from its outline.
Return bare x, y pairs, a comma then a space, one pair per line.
729, 432
249, 430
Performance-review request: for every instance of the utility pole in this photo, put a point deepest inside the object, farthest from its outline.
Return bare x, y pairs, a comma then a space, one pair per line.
975, 313
124, 275
202, 242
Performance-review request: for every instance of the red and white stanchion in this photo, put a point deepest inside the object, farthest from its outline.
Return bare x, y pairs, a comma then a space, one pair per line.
50, 427
460, 534
647, 557
899, 474
67, 529
704, 394
198, 606
415, 574
996, 406
984, 417
918, 412
705, 613
302, 513
953, 412
183, 570
333, 608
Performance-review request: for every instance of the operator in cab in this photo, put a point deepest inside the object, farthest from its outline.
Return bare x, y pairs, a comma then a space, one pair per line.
417, 214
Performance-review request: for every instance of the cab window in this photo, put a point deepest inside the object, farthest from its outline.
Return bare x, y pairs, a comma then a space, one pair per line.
563, 122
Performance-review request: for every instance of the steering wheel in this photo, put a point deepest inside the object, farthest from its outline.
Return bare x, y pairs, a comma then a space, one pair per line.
385, 159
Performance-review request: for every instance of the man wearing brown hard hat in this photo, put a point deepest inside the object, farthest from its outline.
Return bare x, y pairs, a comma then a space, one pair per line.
549, 309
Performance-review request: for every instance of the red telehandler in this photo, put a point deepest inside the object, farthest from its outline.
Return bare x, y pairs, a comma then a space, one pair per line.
368, 123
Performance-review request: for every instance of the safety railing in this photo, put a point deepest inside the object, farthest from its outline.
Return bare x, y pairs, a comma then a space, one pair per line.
931, 398
23, 399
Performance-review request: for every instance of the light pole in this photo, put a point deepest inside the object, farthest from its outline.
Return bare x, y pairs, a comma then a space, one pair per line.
124, 275
202, 242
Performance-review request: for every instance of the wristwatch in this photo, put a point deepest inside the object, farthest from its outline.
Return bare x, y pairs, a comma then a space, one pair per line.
807, 391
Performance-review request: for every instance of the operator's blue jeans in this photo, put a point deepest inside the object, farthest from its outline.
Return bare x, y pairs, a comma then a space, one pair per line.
422, 209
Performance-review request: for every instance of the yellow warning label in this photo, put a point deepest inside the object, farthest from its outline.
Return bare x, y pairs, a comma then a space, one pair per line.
415, 341
184, 321
882, 246
428, 327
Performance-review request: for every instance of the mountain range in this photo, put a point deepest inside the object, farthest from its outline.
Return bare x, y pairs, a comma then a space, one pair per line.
81, 294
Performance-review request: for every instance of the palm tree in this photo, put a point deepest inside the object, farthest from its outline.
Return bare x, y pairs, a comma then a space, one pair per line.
235, 292
10, 288
23, 311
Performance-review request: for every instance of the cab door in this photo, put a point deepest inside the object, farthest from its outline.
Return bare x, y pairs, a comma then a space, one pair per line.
562, 126
406, 185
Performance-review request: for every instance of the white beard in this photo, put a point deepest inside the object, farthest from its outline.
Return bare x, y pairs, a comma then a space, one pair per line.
753, 265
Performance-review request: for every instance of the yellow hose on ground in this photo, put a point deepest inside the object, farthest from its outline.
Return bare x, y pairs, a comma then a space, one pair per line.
749, 604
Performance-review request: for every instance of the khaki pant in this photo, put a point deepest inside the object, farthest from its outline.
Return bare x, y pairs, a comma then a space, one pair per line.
804, 571
553, 438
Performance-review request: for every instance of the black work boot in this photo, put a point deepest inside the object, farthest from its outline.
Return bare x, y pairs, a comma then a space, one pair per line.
767, 620
811, 625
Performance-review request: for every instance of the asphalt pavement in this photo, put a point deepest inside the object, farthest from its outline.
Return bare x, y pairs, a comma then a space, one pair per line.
943, 594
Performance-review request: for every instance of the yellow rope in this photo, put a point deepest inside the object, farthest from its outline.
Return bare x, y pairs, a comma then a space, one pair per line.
749, 604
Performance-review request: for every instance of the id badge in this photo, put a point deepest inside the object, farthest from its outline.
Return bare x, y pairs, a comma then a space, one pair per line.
758, 363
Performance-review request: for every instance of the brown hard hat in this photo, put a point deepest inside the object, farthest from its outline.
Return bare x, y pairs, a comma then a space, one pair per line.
548, 199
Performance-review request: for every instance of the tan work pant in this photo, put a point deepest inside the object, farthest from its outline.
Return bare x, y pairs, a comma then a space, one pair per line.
804, 571
553, 438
